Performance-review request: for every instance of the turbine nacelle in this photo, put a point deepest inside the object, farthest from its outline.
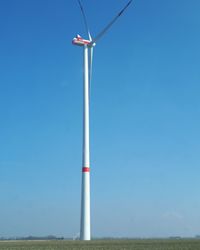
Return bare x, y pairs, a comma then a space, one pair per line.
79, 41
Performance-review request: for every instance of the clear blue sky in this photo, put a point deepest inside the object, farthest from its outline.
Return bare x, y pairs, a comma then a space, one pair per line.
145, 118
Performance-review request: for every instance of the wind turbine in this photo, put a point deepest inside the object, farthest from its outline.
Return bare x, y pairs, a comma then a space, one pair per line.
88, 45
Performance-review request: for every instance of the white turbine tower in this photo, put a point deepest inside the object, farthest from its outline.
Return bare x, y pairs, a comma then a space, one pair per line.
88, 45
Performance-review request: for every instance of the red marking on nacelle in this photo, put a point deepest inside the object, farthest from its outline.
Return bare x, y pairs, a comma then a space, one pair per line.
85, 169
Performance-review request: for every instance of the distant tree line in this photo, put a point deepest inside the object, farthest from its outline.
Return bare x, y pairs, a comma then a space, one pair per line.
49, 237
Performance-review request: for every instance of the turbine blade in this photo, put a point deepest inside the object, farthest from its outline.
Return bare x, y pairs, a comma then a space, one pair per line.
90, 68
110, 24
85, 20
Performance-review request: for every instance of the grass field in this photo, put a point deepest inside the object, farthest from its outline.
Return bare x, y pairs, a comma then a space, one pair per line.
182, 244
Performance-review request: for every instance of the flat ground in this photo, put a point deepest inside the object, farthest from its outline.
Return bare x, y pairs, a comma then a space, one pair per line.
179, 244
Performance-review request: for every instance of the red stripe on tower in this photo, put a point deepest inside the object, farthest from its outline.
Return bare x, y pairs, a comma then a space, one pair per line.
85, 169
